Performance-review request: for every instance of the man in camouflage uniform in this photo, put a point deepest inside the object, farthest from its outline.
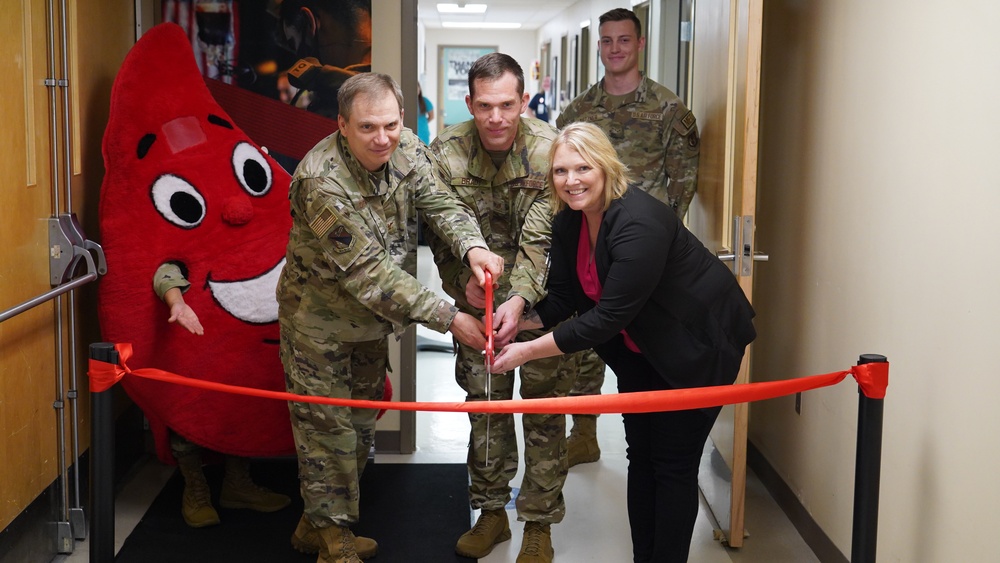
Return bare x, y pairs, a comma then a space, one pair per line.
496, 163
347, 283
657, 137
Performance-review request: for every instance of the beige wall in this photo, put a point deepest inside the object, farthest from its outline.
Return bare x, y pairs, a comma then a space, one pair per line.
877, 204
386, 49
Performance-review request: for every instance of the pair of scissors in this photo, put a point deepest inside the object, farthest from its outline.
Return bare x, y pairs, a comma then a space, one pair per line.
489, 320
489, 353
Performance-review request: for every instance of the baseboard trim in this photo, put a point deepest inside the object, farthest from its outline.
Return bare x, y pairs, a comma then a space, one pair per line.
814, 536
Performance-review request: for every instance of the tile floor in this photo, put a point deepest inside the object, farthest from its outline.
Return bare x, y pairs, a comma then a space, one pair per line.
596, 524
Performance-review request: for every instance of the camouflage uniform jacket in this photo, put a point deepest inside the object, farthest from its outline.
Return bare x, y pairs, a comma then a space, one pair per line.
167, 277
655, 134
352, 247
465, 165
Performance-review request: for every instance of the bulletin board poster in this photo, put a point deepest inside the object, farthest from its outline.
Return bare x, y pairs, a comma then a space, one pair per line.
454, 73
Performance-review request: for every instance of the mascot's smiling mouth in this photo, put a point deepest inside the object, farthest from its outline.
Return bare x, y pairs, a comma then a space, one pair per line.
251, 300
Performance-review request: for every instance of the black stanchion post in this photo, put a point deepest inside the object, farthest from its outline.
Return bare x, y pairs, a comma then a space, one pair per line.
867, 472
102, 464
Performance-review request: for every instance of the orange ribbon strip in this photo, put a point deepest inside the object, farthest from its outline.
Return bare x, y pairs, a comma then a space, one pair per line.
873, 379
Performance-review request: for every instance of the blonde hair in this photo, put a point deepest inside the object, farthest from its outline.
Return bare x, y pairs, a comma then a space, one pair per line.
593, 146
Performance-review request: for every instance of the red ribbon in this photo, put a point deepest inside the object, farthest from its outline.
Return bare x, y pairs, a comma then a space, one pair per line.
873, 379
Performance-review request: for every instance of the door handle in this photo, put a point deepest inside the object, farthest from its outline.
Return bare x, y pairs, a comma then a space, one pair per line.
743, 231
727, 255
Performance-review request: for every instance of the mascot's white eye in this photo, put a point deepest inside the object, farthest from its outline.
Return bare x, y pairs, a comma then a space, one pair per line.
251, 169
178, 201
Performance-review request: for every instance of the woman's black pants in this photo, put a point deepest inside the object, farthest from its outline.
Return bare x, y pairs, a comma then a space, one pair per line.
664, 452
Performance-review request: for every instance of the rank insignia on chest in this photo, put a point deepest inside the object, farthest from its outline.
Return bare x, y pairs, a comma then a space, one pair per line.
341, 238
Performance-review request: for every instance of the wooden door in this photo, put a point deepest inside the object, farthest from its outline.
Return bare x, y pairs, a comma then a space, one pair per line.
27, 341
724, 94
36, 390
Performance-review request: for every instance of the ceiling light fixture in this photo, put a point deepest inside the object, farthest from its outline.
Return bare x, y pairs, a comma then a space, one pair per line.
462, 8
480, 25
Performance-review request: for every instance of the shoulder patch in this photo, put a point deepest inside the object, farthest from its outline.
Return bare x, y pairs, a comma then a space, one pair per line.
686, 123
342, 239
322, 222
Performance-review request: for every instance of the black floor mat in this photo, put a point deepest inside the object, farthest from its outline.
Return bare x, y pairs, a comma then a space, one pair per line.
415, 511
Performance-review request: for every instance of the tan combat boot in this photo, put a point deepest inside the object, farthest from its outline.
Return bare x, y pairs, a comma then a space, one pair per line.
491, 528
536, 546
581, 446
196, 502
306, 540
336, 545
239, 491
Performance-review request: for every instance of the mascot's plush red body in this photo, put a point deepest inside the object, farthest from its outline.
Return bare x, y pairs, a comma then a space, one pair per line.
184, 184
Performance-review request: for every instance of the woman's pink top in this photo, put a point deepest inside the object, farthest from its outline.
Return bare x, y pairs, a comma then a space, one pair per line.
586, 270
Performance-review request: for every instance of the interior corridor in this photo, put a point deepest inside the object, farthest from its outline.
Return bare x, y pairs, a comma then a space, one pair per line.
596, 524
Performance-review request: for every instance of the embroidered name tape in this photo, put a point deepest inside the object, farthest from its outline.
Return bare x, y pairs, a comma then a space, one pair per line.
649, 116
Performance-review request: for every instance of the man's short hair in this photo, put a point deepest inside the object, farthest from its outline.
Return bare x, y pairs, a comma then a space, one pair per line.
620, 15
492, 67
368, 84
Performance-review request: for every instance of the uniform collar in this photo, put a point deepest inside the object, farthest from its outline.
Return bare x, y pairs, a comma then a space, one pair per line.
399, 161
480, 164
639, 95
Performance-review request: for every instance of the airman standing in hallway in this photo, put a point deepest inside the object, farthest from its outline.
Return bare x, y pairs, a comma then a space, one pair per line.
496, 163
348, 282
656, 135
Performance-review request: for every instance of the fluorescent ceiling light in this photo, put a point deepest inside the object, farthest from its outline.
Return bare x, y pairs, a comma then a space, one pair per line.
461, 8
480, 25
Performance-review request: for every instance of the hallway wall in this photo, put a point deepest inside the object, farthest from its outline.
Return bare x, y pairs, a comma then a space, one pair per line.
877, 205
518, 44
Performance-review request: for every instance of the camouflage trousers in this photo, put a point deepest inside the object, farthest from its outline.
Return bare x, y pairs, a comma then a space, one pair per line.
332, 442
590, 378
540, 498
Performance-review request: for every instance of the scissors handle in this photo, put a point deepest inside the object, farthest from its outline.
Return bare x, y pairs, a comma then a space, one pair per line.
489, 317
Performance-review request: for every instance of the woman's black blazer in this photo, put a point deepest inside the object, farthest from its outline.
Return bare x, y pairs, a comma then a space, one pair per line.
677, 301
